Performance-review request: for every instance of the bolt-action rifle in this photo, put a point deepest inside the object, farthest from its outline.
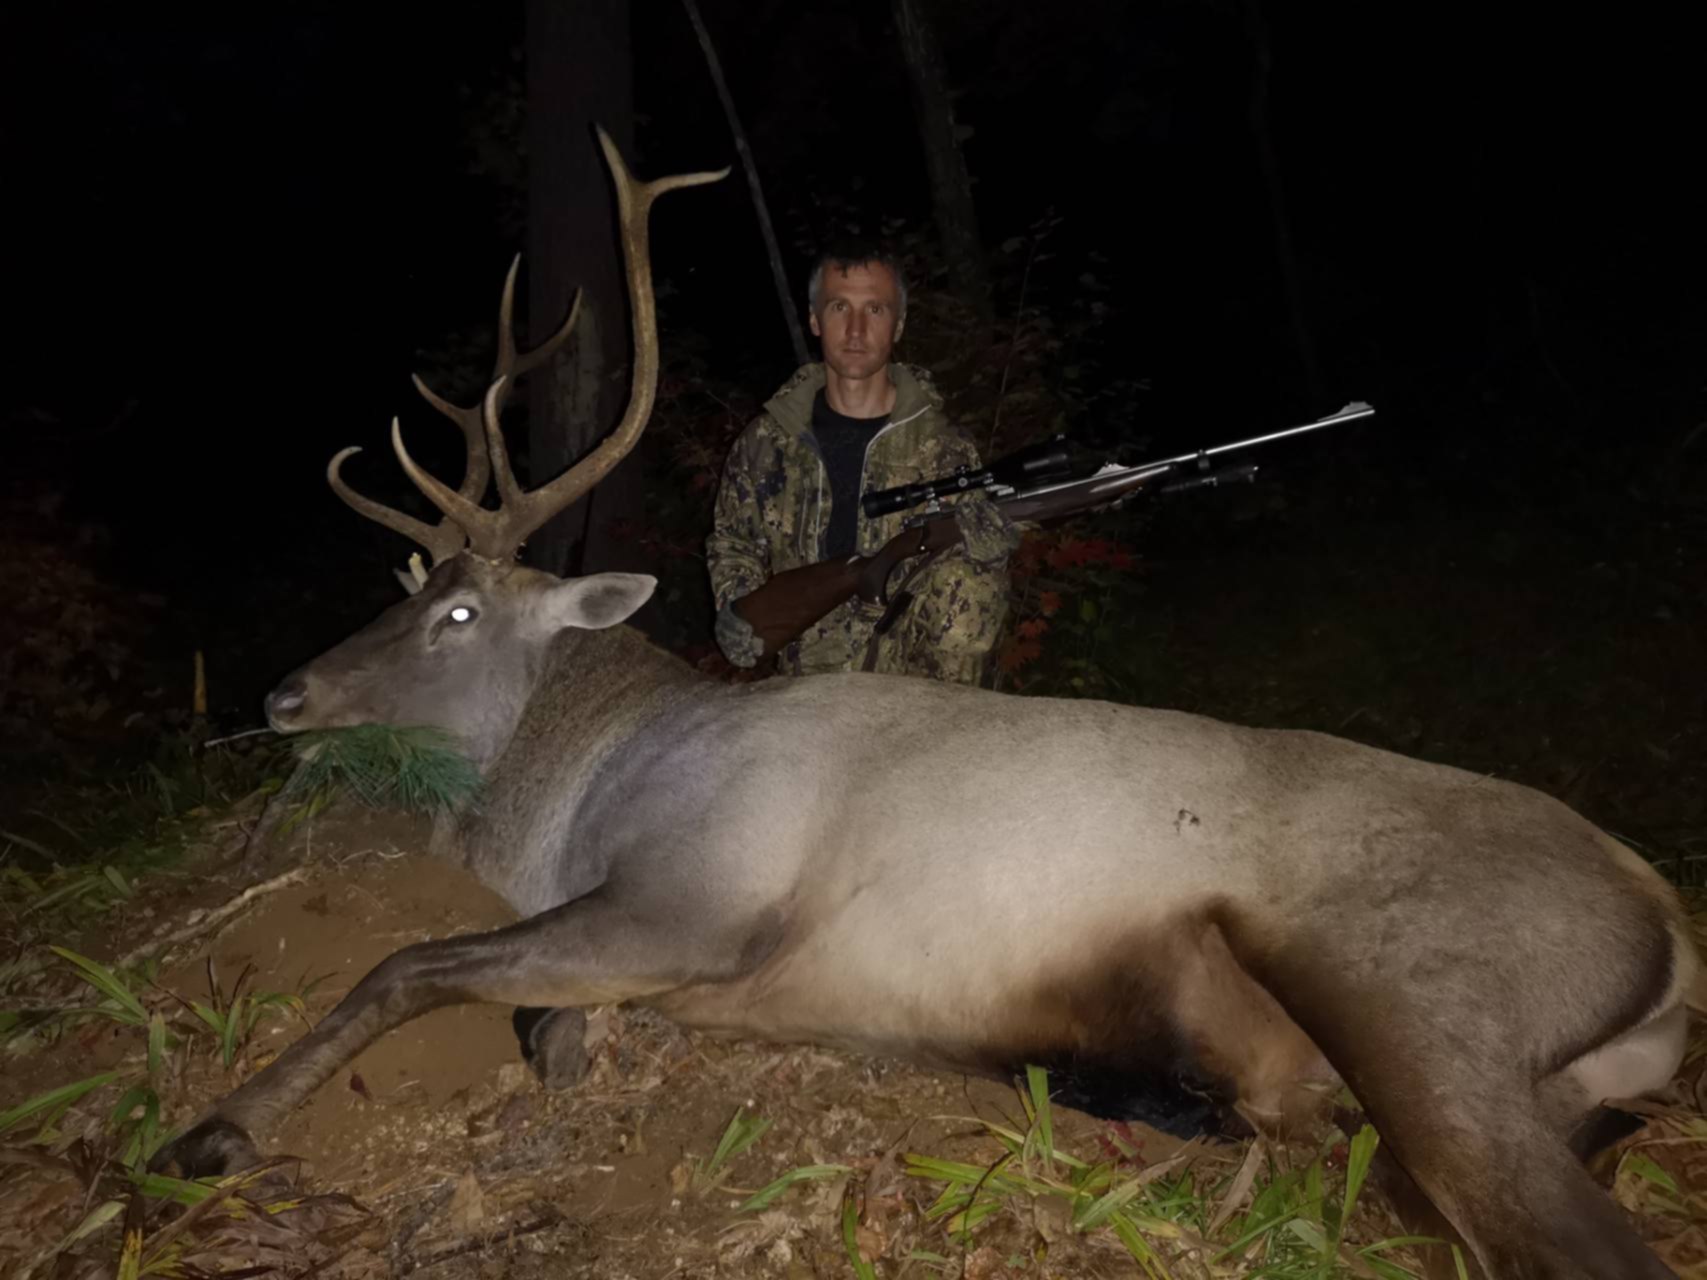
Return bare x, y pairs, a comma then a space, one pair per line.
1032, 485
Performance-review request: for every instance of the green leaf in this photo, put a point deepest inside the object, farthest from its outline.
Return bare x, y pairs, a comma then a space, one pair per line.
63, 1096
1356, 1170
1648, 1171
1314, 1192
850, 1236
156, 1042
134, 1097
33, 846
93, 1221
1311, 1235
159, 1186
108, 984
1100, 1210
1128, 1234
763, 1197
75, 888
742, 1131
228, 1034
1037, 1087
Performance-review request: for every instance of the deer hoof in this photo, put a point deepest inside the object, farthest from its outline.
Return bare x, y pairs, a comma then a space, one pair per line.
553, 1044
212, 1148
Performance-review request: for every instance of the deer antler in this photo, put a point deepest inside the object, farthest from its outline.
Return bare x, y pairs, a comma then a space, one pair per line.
496, 534
447, 538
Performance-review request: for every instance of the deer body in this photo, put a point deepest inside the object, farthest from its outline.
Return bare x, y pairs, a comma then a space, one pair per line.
981, 881
1199, 924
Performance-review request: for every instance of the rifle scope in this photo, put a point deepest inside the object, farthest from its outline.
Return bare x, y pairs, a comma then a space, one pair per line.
1034, 463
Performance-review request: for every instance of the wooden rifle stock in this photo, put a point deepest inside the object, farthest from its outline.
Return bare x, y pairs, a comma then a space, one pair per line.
796, 598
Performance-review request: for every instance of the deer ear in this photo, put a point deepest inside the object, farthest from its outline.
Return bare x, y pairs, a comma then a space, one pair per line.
600, 601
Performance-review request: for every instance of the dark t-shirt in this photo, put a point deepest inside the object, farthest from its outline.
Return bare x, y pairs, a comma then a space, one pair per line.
842, 441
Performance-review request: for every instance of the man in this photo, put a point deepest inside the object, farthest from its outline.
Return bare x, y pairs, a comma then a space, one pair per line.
854, 424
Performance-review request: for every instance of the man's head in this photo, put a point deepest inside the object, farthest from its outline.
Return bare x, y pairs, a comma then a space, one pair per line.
859, 307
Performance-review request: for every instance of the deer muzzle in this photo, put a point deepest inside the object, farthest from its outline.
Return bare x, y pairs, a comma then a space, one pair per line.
285, 703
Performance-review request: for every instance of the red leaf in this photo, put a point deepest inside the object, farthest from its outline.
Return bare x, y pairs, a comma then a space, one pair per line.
1018, 653
1031, 628
1069, 553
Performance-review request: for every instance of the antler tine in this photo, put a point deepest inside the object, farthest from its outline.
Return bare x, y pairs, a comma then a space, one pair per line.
525, 512
509, 365
496, 534
477, 470
463, 513
512, 363
443, 541
467, 516
510, 493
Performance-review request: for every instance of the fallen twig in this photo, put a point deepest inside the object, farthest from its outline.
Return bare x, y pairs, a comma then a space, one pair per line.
484, 1241
232, 737
202, 924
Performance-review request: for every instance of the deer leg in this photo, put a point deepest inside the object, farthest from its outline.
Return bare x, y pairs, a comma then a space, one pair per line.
553, 1044
1452, 1067
596, 950
1487, 1145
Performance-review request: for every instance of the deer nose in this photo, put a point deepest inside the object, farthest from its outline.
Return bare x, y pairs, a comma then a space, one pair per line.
285, 701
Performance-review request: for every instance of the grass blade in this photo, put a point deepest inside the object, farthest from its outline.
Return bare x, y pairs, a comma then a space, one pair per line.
850, 1236
1356, 1170
1096, 1212
93, 1221
763, 1197
115, 877
108, 984
1042, 1119
741, 1132
34, 847
156, 1042
63, 1096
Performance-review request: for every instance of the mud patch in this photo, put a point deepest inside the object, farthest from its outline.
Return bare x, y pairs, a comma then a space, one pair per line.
323, 936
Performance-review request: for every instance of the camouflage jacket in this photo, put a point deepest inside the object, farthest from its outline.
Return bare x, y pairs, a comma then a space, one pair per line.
773, 511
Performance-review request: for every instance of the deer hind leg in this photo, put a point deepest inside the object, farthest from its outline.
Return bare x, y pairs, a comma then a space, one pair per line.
1484, 1146
1543, 1135
595, 950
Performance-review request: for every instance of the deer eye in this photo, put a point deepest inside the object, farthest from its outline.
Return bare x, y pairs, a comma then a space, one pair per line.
462, 613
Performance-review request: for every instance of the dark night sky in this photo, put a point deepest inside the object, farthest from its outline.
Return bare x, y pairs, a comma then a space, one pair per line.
251, 222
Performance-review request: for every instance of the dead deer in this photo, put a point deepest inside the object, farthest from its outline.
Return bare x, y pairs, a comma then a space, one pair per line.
1195, 924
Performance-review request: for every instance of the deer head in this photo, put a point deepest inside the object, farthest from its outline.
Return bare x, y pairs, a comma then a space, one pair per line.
464, 651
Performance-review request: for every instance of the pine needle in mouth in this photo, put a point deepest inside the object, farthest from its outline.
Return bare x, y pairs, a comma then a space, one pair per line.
416, 769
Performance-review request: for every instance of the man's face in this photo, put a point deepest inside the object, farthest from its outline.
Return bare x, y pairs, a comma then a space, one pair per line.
858, 318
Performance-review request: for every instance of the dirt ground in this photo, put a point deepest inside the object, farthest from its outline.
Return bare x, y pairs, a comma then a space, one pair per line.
437, 1152
458, 1163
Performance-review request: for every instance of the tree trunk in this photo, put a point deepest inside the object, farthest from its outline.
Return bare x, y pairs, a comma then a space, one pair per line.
951, 184
790, 310
579, 74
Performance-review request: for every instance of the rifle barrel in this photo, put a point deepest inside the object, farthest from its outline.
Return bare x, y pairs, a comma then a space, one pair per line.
1351, 413
1104, 486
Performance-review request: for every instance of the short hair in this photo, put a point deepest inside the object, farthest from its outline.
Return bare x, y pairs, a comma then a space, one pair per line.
845, 257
